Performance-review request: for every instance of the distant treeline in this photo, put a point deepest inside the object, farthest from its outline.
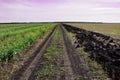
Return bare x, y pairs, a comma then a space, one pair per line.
54, 22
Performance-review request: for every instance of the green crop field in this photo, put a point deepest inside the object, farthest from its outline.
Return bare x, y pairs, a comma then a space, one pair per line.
112, 29
16, 37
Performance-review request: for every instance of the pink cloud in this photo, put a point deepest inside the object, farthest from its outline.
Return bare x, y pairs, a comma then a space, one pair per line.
32, 1
55, 10
110, 4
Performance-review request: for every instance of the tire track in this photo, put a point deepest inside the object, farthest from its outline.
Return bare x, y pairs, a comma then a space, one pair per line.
78, 72
67, 64
70, 60
24, 74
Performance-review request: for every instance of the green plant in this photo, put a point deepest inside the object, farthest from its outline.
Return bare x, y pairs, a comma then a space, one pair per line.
52, 53
47, 72
11, 42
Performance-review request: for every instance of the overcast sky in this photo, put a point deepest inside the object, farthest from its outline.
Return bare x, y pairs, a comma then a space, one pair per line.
59, 10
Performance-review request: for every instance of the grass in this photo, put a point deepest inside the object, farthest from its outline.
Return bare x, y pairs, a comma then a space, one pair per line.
53, 57
53, 51
96, 68
47, 73
112, 29
52, 54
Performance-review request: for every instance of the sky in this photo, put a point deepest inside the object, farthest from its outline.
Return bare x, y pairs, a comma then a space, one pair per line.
60, 10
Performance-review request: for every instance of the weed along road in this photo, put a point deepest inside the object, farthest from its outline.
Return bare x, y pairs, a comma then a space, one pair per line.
71, 53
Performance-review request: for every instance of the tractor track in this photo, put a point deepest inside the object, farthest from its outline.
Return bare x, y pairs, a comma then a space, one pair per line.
71, 61
78, 72
29, 66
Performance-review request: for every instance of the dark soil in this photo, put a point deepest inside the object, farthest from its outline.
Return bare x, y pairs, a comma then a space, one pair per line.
103, 49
